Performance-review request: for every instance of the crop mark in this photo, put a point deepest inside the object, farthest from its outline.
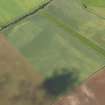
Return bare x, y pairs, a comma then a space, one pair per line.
75, 34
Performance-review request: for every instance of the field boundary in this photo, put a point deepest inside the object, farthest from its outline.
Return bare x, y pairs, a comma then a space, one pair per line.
25, 16
101, 69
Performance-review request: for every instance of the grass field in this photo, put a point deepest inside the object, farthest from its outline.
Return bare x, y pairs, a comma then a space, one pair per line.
52, 39
61, 38
13, 9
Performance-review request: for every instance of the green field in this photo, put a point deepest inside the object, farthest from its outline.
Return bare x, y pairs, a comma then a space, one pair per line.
63, 37
54, 38
13, 9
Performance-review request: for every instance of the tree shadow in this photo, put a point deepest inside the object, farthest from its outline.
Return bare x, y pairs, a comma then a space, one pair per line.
60, 82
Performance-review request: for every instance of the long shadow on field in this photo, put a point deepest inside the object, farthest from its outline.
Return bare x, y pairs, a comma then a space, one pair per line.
59, 83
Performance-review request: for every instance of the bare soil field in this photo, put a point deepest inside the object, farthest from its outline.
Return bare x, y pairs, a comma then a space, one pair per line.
18, 80
90, 93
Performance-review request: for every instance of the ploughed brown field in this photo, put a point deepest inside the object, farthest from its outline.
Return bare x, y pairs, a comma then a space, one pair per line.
18, 80
90, 93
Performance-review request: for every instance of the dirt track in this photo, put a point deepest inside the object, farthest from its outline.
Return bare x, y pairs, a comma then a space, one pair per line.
90, 93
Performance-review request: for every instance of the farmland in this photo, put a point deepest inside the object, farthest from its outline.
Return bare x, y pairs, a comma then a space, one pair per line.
12, 10
64, 42
54, 38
